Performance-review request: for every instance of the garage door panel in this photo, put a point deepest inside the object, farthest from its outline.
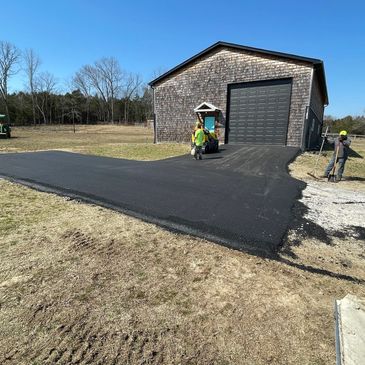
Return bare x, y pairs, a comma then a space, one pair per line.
259, 112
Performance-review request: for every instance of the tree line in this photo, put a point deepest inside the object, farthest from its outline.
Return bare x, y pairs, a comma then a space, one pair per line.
351, 124
98, 92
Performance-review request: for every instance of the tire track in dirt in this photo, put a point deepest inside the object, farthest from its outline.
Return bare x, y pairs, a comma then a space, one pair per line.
79, 241
89, 344
86, 342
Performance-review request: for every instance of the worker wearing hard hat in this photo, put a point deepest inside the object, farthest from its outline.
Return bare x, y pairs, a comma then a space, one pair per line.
342, 147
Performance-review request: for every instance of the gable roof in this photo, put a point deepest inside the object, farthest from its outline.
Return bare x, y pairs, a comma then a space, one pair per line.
206, 107
317, 64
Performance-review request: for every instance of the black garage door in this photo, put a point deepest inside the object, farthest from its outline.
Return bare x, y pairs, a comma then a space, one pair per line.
259, 112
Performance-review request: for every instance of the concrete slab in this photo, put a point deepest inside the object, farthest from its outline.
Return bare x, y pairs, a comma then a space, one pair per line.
350, 330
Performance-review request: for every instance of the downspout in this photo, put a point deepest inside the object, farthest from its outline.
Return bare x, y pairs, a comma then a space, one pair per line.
305, 124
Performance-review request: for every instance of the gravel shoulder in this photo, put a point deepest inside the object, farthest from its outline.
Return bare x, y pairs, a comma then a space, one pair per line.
328, 227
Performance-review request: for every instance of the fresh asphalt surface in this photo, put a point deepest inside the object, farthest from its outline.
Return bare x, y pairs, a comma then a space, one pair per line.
241, 197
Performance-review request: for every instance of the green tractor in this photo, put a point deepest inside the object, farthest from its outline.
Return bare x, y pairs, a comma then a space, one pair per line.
5, 129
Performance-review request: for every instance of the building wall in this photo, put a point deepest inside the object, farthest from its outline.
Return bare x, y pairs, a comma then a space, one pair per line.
206, 79
313, 124
316, 102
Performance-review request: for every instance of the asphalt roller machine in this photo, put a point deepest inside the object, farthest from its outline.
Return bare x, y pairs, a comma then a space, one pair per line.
208, 115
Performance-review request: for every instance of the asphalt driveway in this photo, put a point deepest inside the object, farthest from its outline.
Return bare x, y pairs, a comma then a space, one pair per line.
241, 197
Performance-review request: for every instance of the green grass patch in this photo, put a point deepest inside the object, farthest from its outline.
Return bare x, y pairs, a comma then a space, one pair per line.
140, 151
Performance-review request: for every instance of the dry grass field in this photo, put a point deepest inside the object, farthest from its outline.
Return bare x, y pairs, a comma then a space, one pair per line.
354, 169
102, 140
80, 284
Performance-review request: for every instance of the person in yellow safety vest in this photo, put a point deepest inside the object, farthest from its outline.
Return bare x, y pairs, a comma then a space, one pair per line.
199, 141
197, 123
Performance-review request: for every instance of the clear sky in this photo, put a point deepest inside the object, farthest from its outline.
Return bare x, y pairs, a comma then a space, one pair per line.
147, 36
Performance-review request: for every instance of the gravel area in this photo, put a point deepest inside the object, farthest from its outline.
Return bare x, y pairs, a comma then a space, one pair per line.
335, 209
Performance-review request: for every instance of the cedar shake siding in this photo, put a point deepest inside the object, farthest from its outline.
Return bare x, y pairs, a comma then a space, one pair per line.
207, 77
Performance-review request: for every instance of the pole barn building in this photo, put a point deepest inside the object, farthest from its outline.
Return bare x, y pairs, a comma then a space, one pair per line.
265, 97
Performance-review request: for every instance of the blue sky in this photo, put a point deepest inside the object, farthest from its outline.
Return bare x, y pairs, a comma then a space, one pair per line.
147, 36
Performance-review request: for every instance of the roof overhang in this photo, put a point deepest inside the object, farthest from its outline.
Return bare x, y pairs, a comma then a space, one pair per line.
206, 107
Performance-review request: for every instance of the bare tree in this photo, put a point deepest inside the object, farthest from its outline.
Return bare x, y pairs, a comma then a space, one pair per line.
9, 57
81, 82
96, 80
132, 83
112, 75
45, 85
105, 79
32, 63
147, 102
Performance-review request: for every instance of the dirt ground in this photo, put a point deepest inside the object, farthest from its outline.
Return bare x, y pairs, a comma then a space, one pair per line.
83, 284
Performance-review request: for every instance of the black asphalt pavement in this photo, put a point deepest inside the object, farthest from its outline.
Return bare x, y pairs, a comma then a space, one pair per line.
241, 197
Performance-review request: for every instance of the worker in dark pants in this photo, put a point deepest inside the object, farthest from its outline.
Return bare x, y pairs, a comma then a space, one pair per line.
199, 141
342, 143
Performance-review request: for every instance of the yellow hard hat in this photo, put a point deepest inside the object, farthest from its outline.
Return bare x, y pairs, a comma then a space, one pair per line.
343, 133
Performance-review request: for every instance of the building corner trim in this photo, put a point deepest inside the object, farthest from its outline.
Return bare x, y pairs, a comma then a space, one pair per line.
154, 116
305, 121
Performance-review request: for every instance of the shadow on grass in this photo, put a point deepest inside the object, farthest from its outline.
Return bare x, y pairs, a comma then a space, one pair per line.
316, 270
329, 148
305, 229
354, 178
353, 153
